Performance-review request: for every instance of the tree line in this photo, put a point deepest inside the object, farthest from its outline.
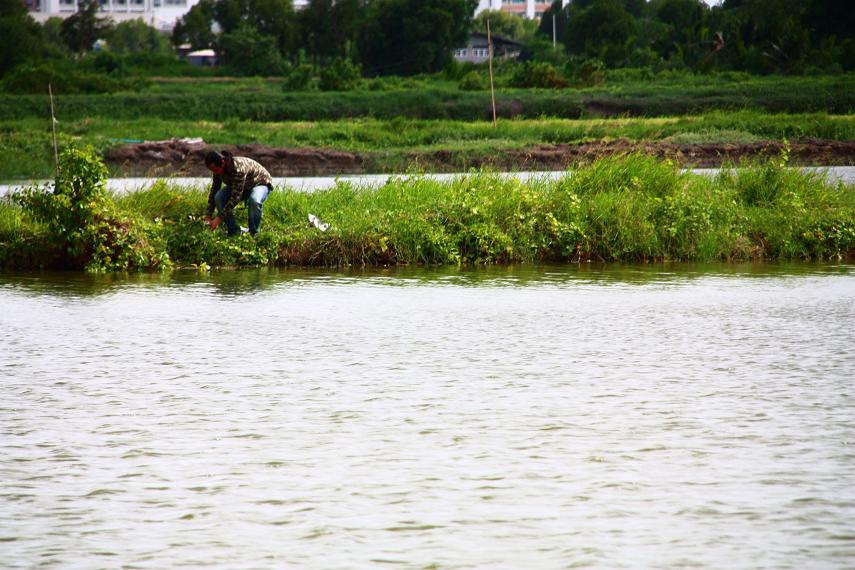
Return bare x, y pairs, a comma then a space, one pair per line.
407, 37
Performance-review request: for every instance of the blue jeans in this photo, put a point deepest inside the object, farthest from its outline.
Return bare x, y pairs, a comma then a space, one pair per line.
254, 201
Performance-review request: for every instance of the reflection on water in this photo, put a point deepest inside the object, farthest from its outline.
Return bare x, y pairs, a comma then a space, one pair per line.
250, 281
504, 417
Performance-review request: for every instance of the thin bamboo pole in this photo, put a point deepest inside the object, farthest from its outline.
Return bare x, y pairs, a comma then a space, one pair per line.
53, 130
490, 65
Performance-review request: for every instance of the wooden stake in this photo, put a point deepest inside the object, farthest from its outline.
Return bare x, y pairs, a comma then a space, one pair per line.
490, 65
53, 130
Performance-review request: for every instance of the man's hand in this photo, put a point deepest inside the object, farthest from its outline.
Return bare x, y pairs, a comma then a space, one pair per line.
214, 223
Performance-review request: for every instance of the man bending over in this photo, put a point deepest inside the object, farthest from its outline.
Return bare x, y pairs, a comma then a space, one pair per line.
236, 178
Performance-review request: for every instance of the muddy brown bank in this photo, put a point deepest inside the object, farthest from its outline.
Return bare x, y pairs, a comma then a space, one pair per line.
183, 158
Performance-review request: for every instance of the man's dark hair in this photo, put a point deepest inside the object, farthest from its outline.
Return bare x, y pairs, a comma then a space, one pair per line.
214, 158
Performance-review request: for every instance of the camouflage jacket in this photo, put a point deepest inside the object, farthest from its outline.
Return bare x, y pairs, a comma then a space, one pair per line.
242, 174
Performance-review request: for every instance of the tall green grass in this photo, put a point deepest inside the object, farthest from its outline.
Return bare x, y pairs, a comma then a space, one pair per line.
631, 208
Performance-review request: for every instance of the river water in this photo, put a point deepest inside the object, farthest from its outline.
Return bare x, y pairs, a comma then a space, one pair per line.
664, 416
834, 174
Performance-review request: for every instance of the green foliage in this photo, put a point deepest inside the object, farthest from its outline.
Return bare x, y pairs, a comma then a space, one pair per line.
329, 28
587, 72
538, 74
272, 18
135, 36
505, 25
629, 208
300, 78
340, 74
63, 79
80, 30
472, 81
20, 38
406, 37
604, 30
245, 51
195, 27
82, 222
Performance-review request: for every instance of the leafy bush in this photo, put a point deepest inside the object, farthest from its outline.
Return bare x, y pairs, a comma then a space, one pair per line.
538, 74
82, 220
471, 82
247, 52
34, 79
300, 78
588, 72
340, 75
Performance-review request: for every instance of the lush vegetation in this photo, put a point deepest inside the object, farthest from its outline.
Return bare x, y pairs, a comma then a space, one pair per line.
390, 144
631, 208
326, 42
262, 101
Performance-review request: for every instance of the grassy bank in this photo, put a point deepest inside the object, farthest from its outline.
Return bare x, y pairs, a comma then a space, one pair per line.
632, 208
26, 144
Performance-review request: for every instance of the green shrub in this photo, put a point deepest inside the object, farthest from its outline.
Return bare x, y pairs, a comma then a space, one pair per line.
300, 78
588, 72
538, 74
340, 74
84, 223
471, 82
34, 79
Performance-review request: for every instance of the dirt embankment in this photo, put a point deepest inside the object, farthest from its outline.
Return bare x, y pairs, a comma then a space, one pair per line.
179, 157
186, 158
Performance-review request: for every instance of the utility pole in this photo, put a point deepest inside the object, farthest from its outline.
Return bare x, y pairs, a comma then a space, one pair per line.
553, 30
490, 64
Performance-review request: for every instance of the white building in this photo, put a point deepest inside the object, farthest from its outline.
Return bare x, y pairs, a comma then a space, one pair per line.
160, 14
531, 9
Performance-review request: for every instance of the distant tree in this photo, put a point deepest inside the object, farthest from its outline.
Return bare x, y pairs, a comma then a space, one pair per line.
328, 28
12, 9
52, 33
274, 18
21, 37
557, 11
771, 34
684, 21
135, 36
830, 18
81, 29
506, 25
406, 37
196, 26
604, 30
247, 52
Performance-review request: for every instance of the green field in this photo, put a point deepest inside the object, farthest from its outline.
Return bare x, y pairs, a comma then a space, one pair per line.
391, 118
26, 143
264, 100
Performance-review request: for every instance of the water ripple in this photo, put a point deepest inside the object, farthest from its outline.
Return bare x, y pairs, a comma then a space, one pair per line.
500, 418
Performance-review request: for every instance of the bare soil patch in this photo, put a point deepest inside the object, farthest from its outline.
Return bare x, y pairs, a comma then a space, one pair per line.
186, 158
